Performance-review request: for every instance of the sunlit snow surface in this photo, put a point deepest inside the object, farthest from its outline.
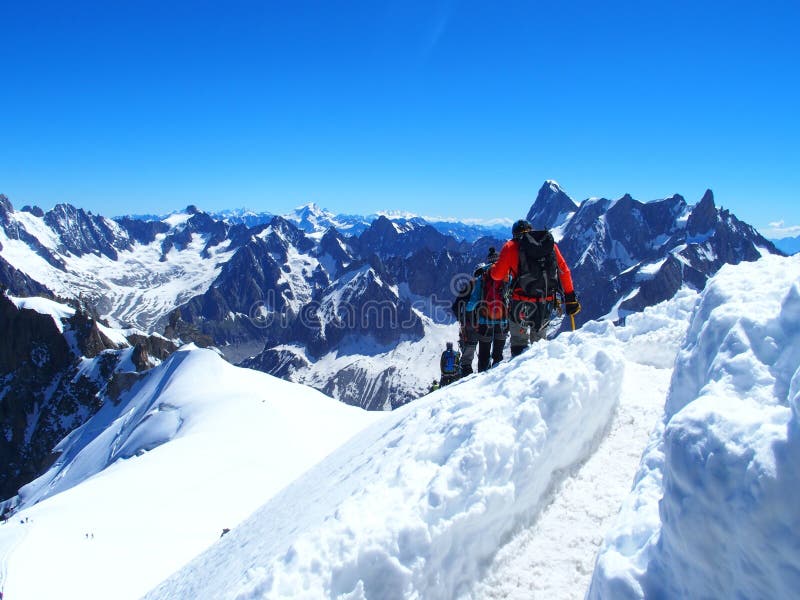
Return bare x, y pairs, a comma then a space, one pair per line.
45, 306
714, 511
529, 461
196, 447
419, 501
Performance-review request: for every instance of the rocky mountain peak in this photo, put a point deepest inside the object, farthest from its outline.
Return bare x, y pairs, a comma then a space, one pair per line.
311, 208
551, 208
703, 217
384, 226
34, 210
5, 204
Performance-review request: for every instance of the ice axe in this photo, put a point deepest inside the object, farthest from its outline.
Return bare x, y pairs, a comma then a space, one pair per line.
572, 318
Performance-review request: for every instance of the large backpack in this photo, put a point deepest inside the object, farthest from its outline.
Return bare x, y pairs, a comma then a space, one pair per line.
493, 302
537, 276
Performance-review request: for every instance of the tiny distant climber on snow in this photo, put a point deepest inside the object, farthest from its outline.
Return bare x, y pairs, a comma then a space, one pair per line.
434, 386
482, 314
539, 274
449, 365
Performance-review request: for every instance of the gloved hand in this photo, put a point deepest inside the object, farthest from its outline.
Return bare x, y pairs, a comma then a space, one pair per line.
573, 306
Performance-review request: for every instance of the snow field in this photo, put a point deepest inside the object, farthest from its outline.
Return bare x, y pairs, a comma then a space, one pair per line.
418, 503
713, 512
193, 448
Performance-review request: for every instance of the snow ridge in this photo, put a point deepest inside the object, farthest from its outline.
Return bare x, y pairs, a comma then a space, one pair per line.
424, 497
713, 510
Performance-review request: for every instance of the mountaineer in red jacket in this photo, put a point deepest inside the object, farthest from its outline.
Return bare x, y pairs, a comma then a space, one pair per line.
538, 273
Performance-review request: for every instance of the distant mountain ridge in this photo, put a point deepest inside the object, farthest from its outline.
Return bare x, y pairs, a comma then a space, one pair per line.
626, 254
312, 219
788, 245
296, 297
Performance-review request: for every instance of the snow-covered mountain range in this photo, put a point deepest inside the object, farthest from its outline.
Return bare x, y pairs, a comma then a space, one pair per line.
355, 306
626, 254
504, 484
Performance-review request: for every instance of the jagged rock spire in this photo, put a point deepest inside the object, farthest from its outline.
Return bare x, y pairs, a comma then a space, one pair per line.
551, 208
703, 217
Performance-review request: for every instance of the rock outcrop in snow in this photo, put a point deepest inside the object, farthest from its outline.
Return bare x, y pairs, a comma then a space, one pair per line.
58, 366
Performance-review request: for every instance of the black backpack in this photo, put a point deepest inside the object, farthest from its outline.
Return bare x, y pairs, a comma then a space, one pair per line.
537, 276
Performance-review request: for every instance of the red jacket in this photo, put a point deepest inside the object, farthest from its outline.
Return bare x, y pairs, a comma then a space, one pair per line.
508, 262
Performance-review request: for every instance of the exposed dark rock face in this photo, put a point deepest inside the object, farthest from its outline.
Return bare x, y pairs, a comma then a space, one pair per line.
387, 238
34, 210
6, 208
88, 337
82, 233
635, 254
551, 208
144, 232
176, 329
33, 357
51, 382
703, 218
18, 283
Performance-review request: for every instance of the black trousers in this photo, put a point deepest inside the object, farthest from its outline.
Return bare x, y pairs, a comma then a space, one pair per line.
491, 340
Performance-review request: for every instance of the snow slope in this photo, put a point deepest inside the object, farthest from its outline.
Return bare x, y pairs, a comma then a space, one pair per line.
417, 504
713, 511
194, 448
500, 486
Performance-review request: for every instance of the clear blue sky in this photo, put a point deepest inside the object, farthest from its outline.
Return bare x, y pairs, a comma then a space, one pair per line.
437, 107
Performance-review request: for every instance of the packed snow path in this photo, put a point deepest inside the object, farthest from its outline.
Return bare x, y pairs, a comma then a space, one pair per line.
554, 558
